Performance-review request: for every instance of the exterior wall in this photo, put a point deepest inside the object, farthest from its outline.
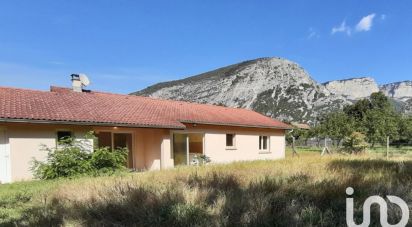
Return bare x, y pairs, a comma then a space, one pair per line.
148, 146
152, 148
155, 144
25, 142
246, 143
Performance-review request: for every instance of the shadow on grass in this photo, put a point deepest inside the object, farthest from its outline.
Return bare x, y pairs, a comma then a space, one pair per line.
221, 200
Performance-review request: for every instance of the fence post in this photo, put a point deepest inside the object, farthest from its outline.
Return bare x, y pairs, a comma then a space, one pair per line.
387, 147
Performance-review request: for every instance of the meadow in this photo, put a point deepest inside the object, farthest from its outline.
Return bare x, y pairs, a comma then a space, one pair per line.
308, 190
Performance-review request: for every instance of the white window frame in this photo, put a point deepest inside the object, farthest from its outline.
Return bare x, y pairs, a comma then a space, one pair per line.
233, 141
261, 150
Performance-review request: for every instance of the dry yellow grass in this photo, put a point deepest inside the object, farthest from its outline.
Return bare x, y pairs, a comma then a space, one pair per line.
303, 191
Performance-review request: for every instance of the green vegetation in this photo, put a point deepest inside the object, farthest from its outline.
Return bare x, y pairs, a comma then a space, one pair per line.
72, 158
355, 143
308, 190
374, 117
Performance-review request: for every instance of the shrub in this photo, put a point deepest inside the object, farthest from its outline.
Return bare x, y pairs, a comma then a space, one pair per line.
106, 161
355, 143
72, 158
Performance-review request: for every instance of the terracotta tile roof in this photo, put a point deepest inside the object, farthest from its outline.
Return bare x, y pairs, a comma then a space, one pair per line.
61, 105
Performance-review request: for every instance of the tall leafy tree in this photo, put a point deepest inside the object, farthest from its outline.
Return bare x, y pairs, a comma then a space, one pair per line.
380, 124
336, 125
381, 120
405, 129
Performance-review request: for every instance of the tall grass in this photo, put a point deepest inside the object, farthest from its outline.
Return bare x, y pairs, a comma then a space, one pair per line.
302, 191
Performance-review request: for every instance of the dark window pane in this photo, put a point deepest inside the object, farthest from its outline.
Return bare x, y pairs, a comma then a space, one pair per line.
104, 139
265, 142
62, 135
229, 140
260, 142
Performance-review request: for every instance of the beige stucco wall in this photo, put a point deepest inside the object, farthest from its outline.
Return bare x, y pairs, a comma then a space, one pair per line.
154, 143
25, 142
148, 145
151, 147
246, 143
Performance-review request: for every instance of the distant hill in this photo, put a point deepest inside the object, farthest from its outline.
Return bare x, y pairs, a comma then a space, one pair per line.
278, 88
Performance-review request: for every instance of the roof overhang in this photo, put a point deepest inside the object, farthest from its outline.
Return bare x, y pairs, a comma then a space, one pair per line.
234, 125
87, 123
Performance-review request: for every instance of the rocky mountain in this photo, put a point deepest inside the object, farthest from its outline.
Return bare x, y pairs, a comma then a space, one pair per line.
275, 87
353, 89
401, 93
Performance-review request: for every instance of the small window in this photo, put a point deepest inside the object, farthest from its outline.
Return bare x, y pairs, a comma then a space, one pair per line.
230, 140
104, 139
63, 135
263, 143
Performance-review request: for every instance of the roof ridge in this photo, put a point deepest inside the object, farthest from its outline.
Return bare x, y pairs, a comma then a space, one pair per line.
125, 95
99, 106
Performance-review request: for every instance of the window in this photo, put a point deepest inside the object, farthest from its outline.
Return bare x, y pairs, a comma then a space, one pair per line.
263, 143
230, 140
63, 135
104, 140
119, 140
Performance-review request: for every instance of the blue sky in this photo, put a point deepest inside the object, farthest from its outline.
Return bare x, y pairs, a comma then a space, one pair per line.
125, 46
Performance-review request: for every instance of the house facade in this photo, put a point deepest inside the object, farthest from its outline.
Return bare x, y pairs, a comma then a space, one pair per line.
159, 134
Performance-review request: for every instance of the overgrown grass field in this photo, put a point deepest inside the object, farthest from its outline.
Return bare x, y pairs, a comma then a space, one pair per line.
308, 190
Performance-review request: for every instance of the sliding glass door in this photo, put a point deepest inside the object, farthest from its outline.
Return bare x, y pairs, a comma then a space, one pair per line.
186, 146
180, 149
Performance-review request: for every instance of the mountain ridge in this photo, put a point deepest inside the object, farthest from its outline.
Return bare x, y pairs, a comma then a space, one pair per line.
276, 87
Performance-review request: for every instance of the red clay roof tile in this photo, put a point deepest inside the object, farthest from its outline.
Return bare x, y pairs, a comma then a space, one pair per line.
98, 108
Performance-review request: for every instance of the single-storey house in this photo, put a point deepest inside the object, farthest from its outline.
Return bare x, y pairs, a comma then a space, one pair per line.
158, 133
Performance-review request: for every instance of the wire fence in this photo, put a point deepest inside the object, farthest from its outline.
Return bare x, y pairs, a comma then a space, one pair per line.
395, 149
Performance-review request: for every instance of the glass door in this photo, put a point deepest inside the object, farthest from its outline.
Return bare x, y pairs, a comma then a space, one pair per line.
124, 140
180, 149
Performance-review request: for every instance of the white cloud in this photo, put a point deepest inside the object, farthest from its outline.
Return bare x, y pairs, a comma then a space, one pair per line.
365, 24
312, 34
342, 28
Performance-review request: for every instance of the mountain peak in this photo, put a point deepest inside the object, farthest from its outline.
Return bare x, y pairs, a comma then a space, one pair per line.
353, 88
273, 86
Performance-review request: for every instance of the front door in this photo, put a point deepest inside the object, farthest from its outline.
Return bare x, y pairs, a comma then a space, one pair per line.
124, 140
4, 159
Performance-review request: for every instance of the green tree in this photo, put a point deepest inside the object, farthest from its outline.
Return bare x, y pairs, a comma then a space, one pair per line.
355, 143
405, 129
380, 101
336, 125
358, 110
379, 125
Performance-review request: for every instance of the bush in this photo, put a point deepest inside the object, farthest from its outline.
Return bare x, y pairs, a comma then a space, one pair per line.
104, 160
72, 158
355, 143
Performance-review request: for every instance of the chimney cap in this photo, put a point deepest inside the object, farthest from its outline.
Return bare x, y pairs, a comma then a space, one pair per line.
75, 76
